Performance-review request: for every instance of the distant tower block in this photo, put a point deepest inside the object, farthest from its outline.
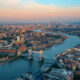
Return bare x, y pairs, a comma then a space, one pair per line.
18, 38
41, 56
30, 54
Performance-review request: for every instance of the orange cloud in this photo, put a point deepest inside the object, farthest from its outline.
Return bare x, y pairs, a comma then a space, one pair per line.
38, 12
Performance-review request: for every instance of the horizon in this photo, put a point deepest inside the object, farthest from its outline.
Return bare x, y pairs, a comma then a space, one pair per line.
34, 23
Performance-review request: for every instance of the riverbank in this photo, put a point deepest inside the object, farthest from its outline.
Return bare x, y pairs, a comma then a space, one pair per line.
70, 31
7, 60
69, 60
46, 40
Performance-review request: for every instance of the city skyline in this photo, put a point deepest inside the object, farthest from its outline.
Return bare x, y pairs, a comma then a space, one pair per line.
35, 11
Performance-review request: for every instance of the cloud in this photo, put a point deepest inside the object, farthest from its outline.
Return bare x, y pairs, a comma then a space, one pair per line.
15, 10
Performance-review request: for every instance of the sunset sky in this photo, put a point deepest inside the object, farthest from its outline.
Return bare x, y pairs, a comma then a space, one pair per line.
35, 11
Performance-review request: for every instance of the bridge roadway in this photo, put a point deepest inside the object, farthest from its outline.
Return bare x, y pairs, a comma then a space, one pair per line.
37, 57
45, 58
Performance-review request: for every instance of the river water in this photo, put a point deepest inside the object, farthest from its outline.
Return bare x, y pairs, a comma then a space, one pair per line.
15, 68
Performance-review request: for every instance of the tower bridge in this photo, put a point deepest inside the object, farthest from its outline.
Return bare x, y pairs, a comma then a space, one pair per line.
30, 51
40, 57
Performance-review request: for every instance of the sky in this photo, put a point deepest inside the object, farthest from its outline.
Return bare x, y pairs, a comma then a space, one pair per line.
39, 11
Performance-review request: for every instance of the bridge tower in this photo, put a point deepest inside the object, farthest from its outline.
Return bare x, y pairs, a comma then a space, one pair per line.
41, 56
29, 53
18, 52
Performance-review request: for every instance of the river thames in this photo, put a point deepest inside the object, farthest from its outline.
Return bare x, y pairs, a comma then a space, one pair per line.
15, 68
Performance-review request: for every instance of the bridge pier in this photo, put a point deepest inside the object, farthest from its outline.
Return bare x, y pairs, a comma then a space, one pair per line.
18, 52
30, 54
41, 56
